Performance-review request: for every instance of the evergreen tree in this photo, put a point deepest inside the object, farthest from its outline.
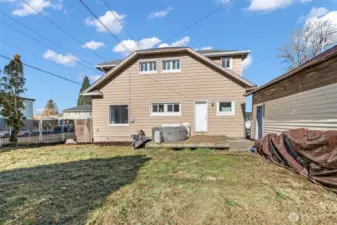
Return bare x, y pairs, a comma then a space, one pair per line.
50, 108
11, 87
84, 100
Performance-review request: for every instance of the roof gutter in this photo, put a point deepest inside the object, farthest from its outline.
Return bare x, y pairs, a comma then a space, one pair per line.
95, 93
106, 65
226, 53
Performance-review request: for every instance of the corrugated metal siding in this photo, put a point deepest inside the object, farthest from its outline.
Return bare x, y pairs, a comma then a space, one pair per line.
315, 109
195, 82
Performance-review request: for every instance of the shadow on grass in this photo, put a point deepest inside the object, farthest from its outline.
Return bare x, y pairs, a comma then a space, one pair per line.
63, 193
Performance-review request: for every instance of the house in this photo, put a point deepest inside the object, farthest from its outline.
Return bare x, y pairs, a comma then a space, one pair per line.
176, 85
77, 113
28, 110
304, 97
27, 114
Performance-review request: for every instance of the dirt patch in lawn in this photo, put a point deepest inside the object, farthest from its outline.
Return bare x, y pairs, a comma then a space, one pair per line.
116, 185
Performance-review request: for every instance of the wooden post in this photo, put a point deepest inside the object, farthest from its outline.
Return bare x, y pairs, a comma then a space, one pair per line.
40, 131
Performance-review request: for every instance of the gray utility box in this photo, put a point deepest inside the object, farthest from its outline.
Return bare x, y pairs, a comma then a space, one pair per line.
169, 134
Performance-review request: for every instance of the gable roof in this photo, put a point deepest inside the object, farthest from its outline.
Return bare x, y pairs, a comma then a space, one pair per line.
312, 62
206, 52
135, 54
81, 108
27, 99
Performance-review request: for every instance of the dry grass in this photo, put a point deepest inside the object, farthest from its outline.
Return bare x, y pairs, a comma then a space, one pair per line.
116, 185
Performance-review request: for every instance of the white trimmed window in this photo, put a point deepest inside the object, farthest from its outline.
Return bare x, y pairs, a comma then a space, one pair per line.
148, 67
226, 62
171, 65
118, 115
165, 109
225, 108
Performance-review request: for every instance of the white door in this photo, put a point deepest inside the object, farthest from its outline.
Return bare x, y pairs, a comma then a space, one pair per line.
200, 113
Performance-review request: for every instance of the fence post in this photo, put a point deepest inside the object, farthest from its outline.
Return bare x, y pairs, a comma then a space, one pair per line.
62, 131
40, 131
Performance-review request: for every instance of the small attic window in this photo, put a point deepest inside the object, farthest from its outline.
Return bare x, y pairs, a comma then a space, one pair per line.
227, 62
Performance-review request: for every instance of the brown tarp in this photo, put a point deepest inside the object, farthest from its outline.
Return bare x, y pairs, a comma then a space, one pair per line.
310, 153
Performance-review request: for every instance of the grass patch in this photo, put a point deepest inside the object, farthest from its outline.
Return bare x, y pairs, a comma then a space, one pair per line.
116, 185
229, 202
280, 195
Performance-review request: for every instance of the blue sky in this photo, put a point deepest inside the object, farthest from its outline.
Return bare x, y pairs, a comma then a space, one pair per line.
258, 25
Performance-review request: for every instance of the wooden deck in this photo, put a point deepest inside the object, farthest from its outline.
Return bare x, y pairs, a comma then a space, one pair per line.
217, 142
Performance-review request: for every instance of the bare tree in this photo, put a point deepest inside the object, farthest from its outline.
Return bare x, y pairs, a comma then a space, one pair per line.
307, 42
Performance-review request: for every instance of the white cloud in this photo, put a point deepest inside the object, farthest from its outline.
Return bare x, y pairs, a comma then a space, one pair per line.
180, 43
160, 14
271, 5
39, 5
67, 60
163, 45
93, 45
109, 20
207, 48
145, 43
317, 12
93, 78
247, 62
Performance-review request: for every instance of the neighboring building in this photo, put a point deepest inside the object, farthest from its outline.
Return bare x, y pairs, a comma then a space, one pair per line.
178, 85
28, 111
77, 113
305, 97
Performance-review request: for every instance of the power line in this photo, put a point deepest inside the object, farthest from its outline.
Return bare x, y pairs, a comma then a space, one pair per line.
106, 28
37, 41
66, 32
120, 22
44, 71
199, 20
25, 50
44, 37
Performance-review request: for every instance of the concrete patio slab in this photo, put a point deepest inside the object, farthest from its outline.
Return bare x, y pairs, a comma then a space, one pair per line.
218, 142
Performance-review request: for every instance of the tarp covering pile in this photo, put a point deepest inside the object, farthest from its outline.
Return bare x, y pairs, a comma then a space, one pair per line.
310, 153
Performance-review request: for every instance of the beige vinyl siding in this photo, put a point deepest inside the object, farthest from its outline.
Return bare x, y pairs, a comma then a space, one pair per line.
195, 82
236, 60
315, 109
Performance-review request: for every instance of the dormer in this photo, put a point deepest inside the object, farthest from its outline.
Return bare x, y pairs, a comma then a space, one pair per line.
229, 59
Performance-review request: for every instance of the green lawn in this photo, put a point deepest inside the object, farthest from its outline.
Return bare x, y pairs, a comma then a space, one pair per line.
116, 185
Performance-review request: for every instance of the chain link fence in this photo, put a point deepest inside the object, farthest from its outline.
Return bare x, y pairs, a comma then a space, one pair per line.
39, 132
